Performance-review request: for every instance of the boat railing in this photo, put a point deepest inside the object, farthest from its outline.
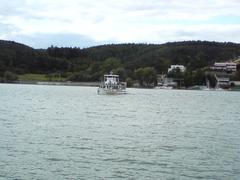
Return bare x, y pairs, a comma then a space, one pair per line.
113, 86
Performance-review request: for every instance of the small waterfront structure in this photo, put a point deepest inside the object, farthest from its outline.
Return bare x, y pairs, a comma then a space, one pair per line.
235, 83
230, 67
175, 67
164, 82
222, 82
112, 85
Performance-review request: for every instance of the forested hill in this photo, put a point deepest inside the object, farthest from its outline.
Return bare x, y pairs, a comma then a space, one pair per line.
193, 54
19, 58
91, 62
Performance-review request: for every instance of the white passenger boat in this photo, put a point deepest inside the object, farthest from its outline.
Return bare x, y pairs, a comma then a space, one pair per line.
112, 85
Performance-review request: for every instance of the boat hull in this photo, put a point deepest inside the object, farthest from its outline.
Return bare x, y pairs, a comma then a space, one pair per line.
103, 91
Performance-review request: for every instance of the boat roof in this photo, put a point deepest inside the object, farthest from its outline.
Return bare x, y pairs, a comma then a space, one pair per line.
111, 75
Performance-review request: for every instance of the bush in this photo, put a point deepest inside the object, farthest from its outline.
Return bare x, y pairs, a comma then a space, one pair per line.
9, 77
129, 82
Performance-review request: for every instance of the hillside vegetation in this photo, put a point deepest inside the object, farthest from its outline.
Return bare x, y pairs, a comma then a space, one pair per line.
131, 61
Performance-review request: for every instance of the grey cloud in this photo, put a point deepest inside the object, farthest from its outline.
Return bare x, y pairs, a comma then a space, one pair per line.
105, 16
185, 33
21, 8
210, 35
11, 7
42, 40
7, 28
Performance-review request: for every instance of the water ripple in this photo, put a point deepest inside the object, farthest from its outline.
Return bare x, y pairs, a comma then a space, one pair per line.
51, 132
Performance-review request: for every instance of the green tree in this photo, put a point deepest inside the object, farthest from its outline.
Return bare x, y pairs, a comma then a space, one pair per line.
176, 73
139, 73
188, 79
199, 77
212, 79
121, 72
192, 78
147, 76
110, 64
129, 82
236, 77
9, 77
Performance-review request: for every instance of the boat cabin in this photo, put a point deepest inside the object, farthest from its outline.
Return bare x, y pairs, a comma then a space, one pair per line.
112, 85
111, 79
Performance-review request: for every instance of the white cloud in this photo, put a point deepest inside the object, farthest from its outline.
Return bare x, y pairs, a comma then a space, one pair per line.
152, 21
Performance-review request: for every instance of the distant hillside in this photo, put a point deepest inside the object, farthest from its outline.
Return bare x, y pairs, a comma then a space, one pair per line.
21, 59
193, 54
12, 44
15, 55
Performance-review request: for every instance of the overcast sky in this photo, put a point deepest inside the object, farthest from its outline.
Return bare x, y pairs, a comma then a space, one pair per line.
84, 23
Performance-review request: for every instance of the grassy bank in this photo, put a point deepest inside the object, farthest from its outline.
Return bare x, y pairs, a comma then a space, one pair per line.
40, 77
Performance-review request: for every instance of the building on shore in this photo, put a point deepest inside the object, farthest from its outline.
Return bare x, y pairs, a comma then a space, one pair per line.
222, 82
181, 68
228, 67
164, 81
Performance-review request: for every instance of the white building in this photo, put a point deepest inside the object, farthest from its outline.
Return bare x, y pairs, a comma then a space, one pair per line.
224, 66
222, 82
175, 67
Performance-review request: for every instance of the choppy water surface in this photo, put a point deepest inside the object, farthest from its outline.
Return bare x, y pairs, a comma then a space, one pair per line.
57, 132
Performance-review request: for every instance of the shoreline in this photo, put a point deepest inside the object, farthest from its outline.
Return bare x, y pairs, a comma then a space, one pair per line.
96, 84
55, 83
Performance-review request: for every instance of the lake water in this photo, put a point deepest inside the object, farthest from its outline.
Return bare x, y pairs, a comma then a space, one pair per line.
60, 132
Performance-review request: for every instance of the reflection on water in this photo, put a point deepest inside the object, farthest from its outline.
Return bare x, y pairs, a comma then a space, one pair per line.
57, 132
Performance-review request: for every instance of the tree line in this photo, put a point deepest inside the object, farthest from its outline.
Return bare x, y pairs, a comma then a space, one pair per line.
132, 62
